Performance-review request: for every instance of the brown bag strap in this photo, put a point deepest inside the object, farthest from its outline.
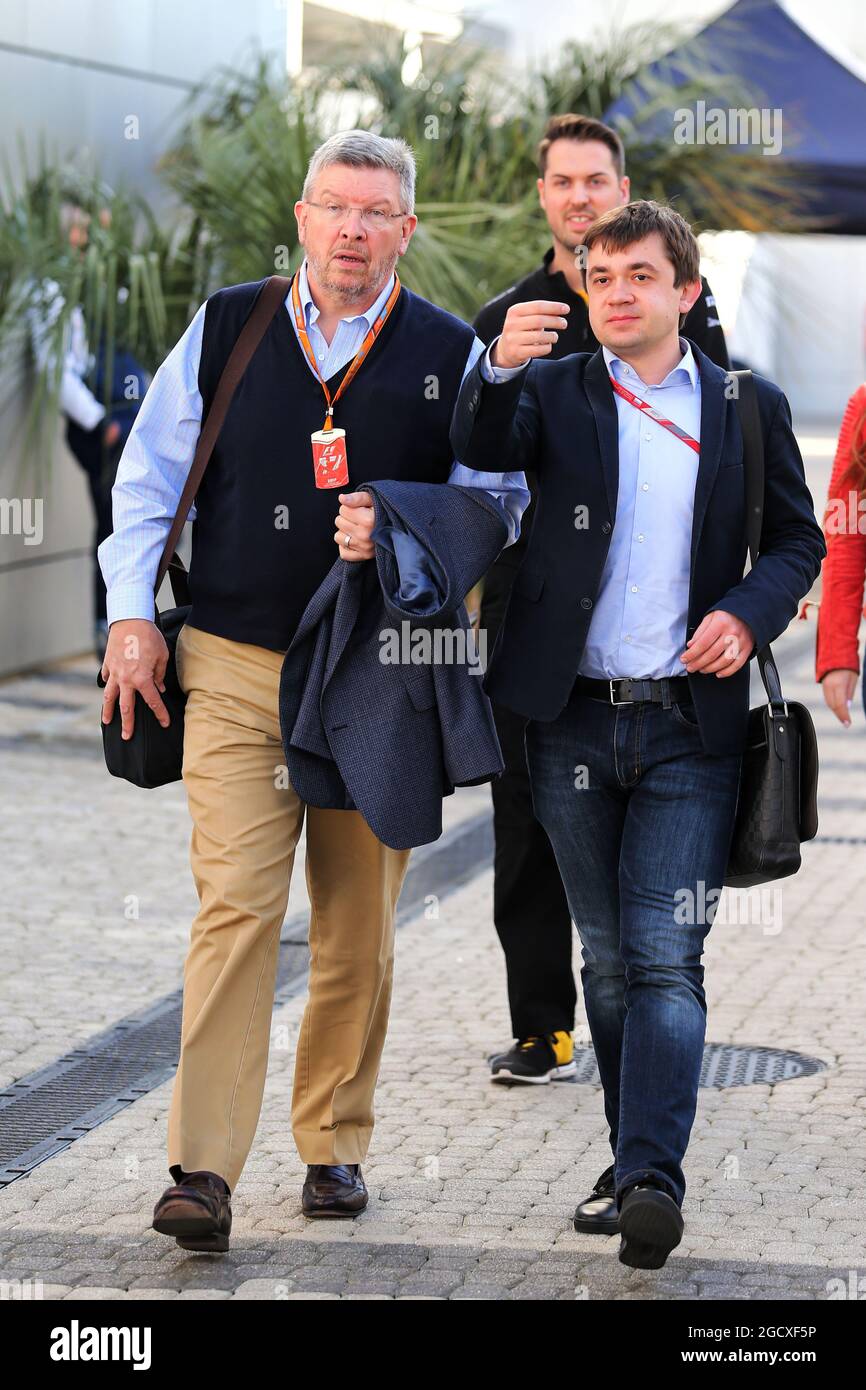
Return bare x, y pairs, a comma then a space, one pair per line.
271, 297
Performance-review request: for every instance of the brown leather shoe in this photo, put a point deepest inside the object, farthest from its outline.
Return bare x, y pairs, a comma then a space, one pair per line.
197, 1211
334, 1189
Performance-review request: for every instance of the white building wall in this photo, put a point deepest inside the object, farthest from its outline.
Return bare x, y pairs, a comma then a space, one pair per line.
74, 73
802, 319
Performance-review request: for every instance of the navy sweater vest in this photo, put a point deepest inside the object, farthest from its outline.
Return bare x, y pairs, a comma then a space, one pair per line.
263, 535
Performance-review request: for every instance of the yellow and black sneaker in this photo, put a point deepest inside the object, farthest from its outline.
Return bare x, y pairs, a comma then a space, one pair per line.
535, 1061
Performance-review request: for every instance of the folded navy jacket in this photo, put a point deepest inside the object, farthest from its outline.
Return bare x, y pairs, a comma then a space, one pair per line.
381, 706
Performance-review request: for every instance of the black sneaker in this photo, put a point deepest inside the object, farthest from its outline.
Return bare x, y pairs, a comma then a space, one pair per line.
535, 1061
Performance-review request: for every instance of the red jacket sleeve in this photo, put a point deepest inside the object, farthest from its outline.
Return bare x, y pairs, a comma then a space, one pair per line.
844, 568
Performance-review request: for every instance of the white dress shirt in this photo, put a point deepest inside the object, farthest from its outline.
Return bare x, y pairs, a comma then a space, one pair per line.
76, 399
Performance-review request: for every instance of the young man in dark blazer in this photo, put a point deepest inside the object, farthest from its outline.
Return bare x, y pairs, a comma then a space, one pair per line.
581, 174
626, 646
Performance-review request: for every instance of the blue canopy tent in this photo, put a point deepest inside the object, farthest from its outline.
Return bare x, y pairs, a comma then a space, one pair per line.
822, 99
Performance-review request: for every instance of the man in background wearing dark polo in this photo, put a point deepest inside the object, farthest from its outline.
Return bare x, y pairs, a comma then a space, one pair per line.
581, 175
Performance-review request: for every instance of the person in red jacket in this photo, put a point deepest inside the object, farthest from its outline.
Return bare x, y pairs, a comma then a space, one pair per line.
837, 660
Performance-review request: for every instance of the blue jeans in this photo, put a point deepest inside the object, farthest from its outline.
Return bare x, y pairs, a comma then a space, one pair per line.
640, 819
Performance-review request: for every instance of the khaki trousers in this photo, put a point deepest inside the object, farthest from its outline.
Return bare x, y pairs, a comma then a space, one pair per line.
247, 821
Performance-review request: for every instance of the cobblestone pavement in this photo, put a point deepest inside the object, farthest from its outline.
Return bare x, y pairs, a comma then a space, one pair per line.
472, 1185
97, 884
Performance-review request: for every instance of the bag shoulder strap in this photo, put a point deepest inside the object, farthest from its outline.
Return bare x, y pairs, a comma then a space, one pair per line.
753, 458
753, 469
270, 298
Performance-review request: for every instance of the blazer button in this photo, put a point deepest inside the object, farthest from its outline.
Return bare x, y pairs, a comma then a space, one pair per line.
605, 528
586, 603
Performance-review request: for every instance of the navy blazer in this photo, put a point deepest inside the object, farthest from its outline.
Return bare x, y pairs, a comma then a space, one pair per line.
386, 738
559, 419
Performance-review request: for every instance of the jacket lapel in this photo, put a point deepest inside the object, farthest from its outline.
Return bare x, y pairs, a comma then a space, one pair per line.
603, 402
713, 403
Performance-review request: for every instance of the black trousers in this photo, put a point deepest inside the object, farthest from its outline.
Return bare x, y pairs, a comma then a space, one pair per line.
530, 911
100, 467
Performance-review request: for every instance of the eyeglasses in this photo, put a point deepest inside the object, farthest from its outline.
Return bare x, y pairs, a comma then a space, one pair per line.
373, 219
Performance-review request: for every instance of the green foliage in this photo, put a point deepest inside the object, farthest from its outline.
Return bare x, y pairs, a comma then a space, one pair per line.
237, 165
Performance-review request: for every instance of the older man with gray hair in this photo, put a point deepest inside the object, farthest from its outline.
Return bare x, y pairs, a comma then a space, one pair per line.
358, 349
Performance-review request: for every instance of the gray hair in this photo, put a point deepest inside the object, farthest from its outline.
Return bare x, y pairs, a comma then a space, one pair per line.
361, 149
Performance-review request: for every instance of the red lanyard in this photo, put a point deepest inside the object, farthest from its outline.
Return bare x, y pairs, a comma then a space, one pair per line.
368, 342
654, 414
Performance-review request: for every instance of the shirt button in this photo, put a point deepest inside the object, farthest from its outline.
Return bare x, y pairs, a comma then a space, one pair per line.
628, 637
640, 538
644, 487
648, 437
634, 588
586, 603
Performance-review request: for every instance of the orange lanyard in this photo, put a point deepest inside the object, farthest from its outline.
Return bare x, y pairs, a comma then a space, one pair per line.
368, 342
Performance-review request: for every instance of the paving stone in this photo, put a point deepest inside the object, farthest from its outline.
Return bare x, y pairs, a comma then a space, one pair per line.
472, 1186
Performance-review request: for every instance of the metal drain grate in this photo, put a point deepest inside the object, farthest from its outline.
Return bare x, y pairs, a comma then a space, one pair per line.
43, 1113
725, 1065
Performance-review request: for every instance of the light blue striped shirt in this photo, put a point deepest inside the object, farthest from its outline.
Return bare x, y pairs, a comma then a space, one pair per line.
159, 452
640, 618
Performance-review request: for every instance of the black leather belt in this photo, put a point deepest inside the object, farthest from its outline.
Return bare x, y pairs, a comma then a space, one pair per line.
630, 690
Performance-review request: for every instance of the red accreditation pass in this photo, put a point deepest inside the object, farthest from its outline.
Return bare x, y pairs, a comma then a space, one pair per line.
330, 463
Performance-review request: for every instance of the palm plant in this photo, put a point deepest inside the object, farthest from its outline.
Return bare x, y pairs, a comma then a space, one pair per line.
238, 162
68, 239
236, 171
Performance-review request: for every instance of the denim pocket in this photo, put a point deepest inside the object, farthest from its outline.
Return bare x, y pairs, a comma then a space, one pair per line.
684, 713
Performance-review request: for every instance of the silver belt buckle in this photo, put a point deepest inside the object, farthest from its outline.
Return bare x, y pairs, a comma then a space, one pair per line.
618, 702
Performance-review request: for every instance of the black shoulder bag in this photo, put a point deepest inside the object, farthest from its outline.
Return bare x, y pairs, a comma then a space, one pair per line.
777, 807
154, 755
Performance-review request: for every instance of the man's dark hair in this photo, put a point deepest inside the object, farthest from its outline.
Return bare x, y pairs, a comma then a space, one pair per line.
621, 227
572, 127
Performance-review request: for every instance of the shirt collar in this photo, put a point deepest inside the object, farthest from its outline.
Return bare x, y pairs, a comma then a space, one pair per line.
686, 364
311, 310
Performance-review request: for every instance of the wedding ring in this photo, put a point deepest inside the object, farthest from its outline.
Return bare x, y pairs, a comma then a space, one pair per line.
347, 541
